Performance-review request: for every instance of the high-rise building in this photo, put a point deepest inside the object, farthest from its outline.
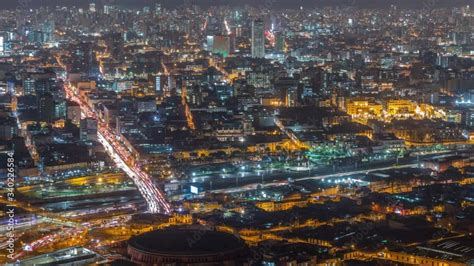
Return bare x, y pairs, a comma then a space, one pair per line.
42, 86
291, 96
92, 7
171, 85
280, 42
88, 129
46, 108
146, 105
3, 88
74, 113
60, 109
8, 128
107, 9
238, 31
29, 87
158, 9
219, 44
2, 44
36, 37
258, 39
158, 85
48, 29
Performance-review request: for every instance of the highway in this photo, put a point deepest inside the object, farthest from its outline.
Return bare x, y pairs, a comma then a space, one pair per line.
155, 198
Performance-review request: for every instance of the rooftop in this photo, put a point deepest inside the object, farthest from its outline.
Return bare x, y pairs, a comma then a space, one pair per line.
186, 242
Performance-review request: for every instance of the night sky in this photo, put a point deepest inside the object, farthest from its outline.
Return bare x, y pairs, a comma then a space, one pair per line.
9, 4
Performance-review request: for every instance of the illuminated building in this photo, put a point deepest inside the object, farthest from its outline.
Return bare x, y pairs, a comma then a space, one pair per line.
388, 143
469, 117
291, 96
158, 85
453, 116
271, 102
364, 108
280, 42
29, 87
158, 9
219, 44
401, 107
368, 82
238, 31
48, 29
446, 253
60, 109
258, 39
36, 37
171, 85
109, 113
2, 44
69, 256
272, 206
259, 79
385, 86
107, 9
146, 104
3, 88
441, 165
88, 129
202, 206
92, 7
223, 91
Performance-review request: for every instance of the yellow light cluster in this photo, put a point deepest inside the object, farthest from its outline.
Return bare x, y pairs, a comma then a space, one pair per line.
364, 108
401, 107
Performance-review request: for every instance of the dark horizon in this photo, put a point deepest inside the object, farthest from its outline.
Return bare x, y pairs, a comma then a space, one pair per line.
277, 4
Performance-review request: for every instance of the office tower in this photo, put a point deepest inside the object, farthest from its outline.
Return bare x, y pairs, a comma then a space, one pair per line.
88, 129
48, 29
92, 7
46, 108
74, 113
42, 86
29, 87
219, 44
238, 31
60, 109
3, 88
107, 9
158, 9
291, 96
158, 85
258, 39
280, 42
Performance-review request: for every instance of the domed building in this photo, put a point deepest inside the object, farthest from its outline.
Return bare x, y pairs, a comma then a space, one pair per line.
187, 247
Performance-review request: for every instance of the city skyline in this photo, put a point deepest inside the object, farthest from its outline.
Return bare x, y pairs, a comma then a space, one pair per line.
418, 4
230, 134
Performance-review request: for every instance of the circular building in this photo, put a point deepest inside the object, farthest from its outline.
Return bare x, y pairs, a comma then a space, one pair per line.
186, 246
